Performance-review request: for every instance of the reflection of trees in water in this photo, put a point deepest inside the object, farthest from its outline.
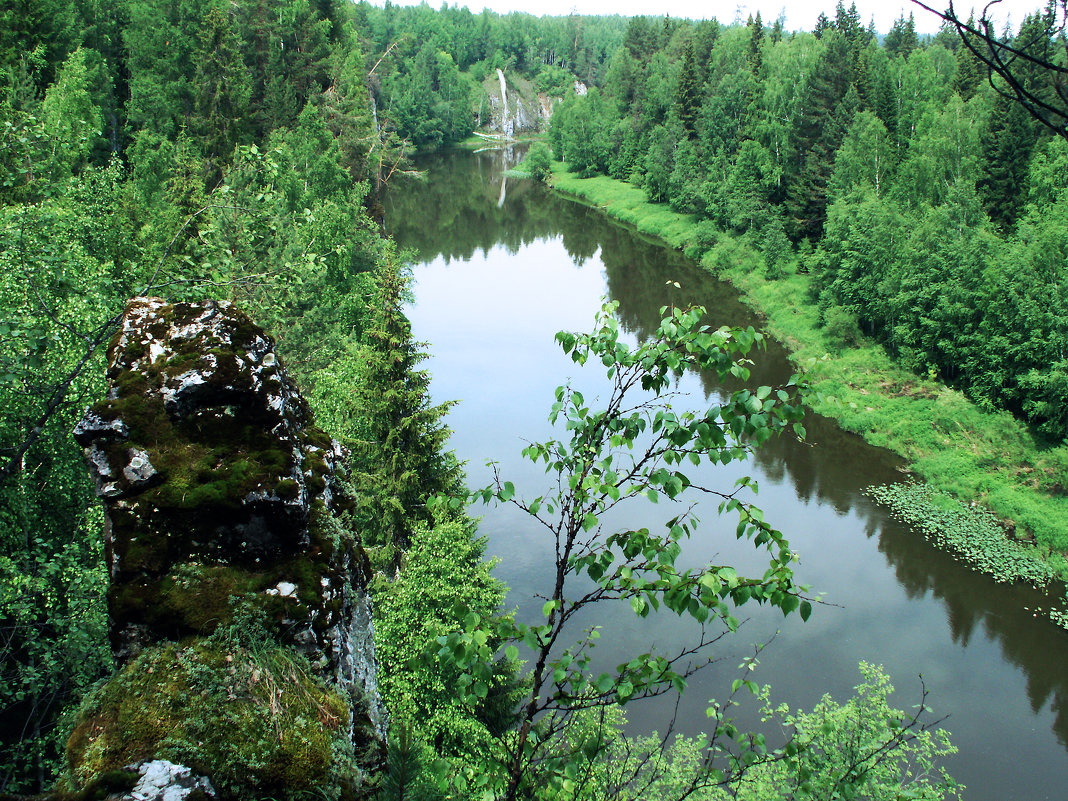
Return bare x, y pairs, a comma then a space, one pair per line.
637, 273
454, 213
971, 600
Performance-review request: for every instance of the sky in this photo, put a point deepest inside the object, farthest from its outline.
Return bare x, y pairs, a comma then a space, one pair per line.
800, 14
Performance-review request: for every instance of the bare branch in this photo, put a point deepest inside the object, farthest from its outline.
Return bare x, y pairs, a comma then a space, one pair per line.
1003, 59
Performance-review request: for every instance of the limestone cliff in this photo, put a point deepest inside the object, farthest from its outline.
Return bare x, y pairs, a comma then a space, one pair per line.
509, 105
238, 608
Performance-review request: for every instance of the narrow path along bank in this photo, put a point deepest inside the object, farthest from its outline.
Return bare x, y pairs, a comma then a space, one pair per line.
989, 458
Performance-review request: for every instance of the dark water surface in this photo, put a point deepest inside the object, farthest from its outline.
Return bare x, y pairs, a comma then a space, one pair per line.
501, 266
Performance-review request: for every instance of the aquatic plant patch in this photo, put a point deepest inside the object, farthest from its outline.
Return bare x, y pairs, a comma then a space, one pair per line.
972, 534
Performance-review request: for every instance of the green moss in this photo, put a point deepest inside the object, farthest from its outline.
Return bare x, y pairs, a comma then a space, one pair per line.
287, 488
195, 599
251, 717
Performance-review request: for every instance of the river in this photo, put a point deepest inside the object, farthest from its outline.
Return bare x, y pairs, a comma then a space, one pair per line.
501, 265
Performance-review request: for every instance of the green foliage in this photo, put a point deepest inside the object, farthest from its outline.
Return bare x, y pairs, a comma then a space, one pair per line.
401, 450
405, 778
841, 327
71, 117
775, 246
444, 578
223, 86
863, 748
636, 447
554, 81
539, 162
430, 104
973, 534
582, 140
54, 645
58, 286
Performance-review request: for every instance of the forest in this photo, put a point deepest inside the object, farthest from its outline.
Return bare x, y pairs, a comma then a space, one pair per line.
928, 207
196, 149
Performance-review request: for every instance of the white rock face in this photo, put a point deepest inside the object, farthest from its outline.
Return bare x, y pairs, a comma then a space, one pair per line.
164, 781
139, 470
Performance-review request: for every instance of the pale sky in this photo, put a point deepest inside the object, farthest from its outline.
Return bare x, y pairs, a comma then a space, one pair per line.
799, 15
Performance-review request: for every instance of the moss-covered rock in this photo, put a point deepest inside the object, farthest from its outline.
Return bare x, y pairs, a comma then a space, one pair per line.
221, 495
258, 721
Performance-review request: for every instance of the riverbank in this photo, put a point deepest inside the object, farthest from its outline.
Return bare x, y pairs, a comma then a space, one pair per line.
986, 458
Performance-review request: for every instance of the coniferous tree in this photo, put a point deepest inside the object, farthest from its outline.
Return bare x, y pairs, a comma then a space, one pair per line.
777, 29
403, 460
902, 38
688, 91
970, 70
70, 117
818, 133
756, 37
822, 26
222, 87
1007, 144
47, 30
847, 22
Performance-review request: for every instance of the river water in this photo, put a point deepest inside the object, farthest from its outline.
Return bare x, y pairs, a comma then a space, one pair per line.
500, 266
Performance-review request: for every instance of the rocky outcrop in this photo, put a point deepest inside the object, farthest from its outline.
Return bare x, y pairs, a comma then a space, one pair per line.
223, 503
511, 105
160, 780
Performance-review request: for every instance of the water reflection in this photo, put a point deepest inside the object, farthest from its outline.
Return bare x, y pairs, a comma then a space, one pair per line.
497, 280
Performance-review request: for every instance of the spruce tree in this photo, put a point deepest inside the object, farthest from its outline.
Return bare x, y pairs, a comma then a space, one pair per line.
1007, 144
756, 37
822, 26
902, 38
688, 91
402, 462
970, 70
222, 87
830, 100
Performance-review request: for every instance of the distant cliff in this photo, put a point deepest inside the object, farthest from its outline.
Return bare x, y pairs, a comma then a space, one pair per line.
509, 104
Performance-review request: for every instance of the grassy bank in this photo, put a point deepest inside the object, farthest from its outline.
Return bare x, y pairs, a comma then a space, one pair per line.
987, 457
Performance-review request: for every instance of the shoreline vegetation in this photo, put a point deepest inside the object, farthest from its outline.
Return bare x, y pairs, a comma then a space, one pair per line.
989, 462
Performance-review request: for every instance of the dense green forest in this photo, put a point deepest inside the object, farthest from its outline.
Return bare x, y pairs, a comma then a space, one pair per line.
186, 150
928, 207
206, 149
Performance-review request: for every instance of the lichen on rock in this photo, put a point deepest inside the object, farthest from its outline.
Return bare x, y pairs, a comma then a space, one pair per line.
220, 493
160, 780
